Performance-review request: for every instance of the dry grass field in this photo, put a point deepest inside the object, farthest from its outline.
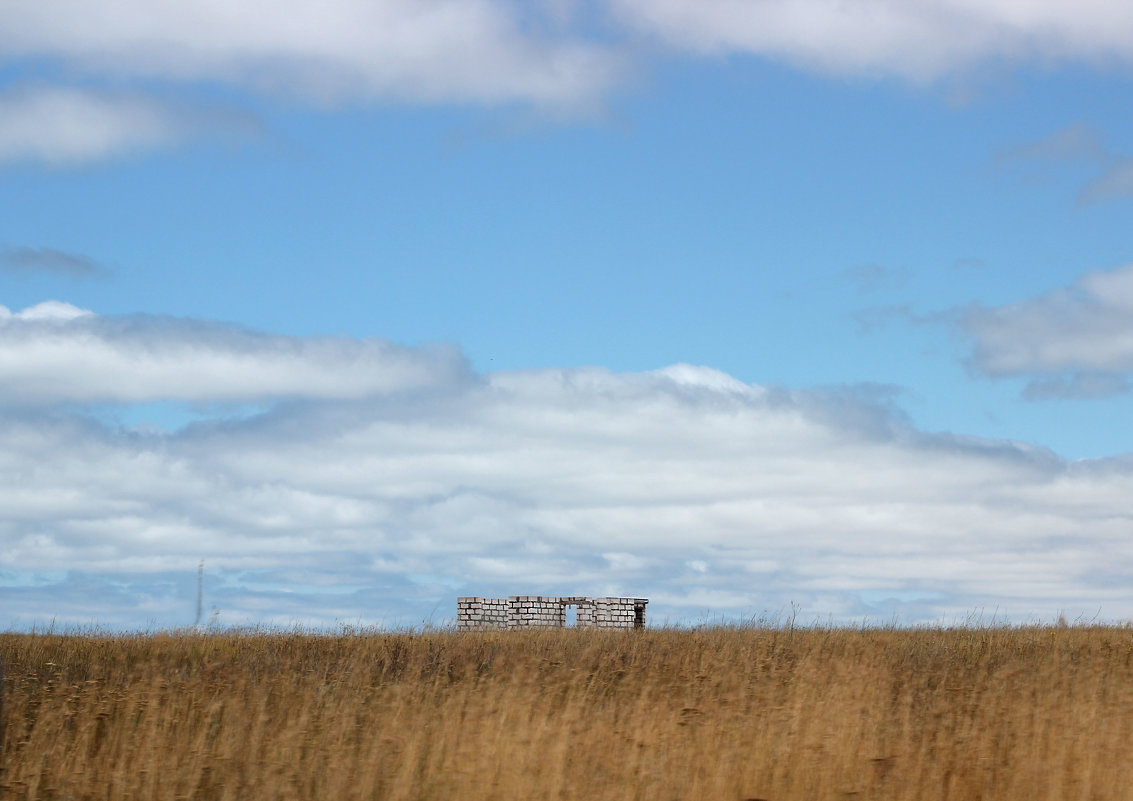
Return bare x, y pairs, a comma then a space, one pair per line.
1041, 714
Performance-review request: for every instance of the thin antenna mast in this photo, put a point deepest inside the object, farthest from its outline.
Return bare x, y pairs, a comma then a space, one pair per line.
200, 592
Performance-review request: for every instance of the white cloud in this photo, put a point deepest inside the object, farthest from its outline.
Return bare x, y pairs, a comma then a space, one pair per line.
491, 51
915, 39
485, 52
416, 50
544, 54
63, 126
56, 353
48, 310
1076, 340
683, 485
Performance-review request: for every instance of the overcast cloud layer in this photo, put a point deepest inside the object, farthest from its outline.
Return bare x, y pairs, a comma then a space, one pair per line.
709, 496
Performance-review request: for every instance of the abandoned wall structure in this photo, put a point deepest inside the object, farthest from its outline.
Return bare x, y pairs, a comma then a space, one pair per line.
549, 611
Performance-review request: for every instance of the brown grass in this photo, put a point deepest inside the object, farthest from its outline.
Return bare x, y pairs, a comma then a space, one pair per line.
779, 714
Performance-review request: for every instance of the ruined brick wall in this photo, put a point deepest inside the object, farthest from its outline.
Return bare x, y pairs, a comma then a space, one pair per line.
481, 613
538, 611
618, 613
549, 611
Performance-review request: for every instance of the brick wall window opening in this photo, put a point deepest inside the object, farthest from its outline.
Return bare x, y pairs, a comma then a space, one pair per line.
570, 619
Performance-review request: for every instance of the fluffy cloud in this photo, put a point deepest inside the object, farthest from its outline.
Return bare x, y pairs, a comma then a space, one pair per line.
56, 353
1077, 340
499, 50
920, 40
415, 50
547, 54
63, 126
708, 495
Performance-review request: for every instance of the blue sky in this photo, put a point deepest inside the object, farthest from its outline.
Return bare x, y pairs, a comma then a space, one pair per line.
734, 305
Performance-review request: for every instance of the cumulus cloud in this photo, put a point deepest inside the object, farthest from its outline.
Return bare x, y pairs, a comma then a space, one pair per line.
498, 50
544, 54
48, 310
62, 126
1073, 341
481, 52
55, 353
921, 40
475, 51
685, 485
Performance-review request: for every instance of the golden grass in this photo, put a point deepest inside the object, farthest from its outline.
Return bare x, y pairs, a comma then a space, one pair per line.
779, 714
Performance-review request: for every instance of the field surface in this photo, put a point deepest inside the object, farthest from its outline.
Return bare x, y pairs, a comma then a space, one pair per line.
668, 715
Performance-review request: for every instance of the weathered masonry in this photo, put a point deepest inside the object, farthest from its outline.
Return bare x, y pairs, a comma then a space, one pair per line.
550, 611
